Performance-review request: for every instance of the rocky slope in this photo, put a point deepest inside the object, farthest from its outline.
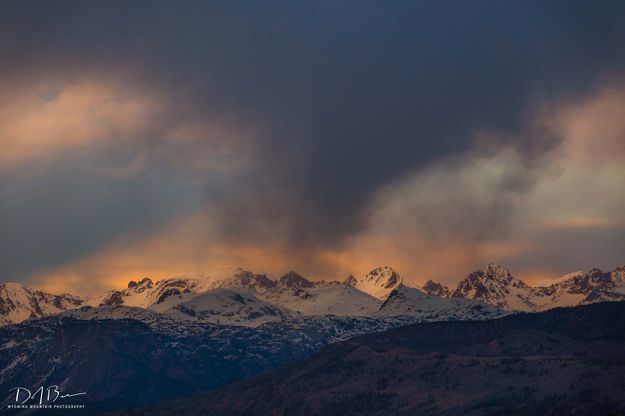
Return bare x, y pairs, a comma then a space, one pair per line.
560, 362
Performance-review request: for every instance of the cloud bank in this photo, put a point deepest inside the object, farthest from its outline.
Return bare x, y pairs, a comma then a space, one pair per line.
326, 138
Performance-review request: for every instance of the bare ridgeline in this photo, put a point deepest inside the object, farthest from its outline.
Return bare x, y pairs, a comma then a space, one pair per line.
193, 338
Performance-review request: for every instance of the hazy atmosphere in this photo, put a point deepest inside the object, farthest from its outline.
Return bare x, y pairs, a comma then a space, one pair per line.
142, 140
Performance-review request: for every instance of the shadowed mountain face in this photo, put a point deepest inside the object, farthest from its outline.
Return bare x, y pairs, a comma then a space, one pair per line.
124, 363
560, 362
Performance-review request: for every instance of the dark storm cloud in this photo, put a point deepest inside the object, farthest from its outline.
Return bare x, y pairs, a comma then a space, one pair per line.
355, 94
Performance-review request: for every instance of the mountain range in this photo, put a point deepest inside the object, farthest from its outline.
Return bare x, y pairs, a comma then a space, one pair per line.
250, 299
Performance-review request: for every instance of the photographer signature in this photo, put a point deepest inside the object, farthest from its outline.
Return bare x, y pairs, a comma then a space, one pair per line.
51, 394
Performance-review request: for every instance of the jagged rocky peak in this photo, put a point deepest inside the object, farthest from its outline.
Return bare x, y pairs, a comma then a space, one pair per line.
436, 289
145, 283
597, 274
247, 278
293, 280
495, 271
350, 281
380, 282
384, 277
495, 285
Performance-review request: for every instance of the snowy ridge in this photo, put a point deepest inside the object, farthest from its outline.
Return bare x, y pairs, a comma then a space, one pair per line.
295, 293
329, 299
229, 307
415, 303
146, 293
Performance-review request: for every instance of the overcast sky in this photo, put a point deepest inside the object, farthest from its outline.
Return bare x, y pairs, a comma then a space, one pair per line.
166, 139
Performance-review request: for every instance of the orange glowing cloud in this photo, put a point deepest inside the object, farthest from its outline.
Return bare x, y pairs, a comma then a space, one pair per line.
47, 117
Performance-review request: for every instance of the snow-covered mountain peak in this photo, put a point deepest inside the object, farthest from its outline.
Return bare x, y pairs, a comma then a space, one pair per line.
495, 285
496, 274
380, 282
293, 280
